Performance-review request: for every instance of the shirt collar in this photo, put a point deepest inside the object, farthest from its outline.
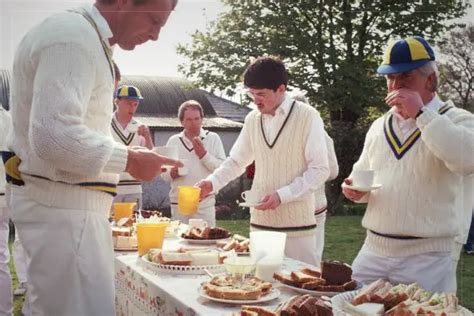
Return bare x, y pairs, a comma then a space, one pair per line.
100, 21
285, 106
202, 134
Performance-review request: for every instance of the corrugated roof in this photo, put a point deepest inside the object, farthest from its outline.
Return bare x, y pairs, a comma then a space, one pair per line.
163, 96
5, 88
227, 108
173, 122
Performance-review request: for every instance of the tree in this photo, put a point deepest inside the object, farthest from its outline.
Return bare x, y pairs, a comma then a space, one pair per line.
457, 66
331, 47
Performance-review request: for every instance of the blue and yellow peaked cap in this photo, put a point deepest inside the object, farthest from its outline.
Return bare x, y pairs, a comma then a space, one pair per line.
406, 54
128, 92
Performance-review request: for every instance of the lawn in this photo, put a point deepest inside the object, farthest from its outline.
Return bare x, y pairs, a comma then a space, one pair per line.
344, 237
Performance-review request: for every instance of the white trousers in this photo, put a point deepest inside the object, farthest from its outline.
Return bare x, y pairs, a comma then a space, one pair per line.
206, 213
19, 259
319, 237
302, 249
6, 307
70, 256
432, 271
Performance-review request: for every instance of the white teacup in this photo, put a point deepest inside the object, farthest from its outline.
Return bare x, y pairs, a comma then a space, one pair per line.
197, 223
251, 197
168, 151
185, 169
363, 178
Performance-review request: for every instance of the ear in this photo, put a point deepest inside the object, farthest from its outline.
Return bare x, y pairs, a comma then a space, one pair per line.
430, 83
281, 88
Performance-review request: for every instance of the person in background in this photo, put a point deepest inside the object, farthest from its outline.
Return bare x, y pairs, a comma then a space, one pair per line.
203, 152
420, 151
285, 138
62, 88
320, 200
6, 306
130, 132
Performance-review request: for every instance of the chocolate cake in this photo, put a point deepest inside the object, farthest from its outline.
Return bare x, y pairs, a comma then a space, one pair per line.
336, 272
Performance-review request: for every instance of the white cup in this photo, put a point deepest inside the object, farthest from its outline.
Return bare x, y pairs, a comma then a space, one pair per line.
168, 151
133, 127
185, 169
197, 223
251, 197
362, 178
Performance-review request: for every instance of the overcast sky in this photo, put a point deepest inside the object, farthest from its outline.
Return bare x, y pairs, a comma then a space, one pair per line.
153, 58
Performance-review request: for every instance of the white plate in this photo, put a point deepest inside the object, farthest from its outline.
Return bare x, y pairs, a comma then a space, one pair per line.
362, 189
274, 293
341, 306
158, 269
245, 204
312, 292
205, 241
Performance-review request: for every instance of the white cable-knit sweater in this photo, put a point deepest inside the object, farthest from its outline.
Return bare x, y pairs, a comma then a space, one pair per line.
421, 191
61, 93
197, 168
277, 166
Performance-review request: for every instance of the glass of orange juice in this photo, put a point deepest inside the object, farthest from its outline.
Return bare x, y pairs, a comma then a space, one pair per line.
123, 210
188, 200
150, 235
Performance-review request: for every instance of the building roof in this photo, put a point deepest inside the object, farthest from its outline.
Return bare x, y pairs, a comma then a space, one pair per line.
173, 122
228, 109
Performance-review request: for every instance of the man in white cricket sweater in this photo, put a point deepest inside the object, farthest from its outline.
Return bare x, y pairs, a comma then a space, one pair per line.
285, 138
203, 152
420, 151
130, 132
61, 104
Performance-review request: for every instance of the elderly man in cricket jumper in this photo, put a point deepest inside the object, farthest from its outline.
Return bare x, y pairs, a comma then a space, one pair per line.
286, 139
420, 150
61, 104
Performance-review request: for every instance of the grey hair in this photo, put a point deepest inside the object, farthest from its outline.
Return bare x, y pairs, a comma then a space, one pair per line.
429, 68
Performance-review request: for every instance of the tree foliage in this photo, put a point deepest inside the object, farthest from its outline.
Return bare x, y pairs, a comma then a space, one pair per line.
330, 47
457, 66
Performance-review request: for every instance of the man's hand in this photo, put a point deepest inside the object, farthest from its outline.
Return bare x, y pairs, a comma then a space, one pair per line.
174, 173
408, 102
199, 149
206, 188
145, 165
143, 130
350, 194
269, 202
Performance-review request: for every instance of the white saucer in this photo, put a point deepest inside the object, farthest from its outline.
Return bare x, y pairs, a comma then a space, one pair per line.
245, 204
374, 186
274, 293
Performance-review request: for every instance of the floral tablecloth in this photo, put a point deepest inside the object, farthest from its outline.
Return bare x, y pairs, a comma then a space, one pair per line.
143, 292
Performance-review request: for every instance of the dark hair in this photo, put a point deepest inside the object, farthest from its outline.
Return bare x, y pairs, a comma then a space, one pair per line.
135, 2
266, 73
118, 75
190, 104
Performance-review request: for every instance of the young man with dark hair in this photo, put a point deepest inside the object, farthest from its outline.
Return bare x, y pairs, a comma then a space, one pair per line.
285, 137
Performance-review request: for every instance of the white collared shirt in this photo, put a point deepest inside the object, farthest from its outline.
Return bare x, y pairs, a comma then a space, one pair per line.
408, 126
316, 156
102, 25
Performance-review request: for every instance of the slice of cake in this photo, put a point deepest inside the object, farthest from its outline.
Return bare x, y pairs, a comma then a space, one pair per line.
335, 272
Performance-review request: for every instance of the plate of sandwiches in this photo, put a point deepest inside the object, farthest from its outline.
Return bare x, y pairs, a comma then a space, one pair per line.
382, 298
335, 277
185, 260
239, 244
305, 304
124, 235
227, 289
206, 236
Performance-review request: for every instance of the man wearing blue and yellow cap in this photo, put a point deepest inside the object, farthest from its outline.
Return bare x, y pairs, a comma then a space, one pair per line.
130, 132
420, 150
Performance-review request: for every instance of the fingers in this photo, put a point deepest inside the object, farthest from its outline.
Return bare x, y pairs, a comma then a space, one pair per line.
171, 162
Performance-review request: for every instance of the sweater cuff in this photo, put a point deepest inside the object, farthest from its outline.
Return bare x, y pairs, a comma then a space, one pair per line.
426, 117
285, 195
215, 184
118, 160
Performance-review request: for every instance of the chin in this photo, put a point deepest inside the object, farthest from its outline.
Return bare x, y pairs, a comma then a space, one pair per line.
127, 46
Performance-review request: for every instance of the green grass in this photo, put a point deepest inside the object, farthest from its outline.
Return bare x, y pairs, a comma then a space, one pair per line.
344, 238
